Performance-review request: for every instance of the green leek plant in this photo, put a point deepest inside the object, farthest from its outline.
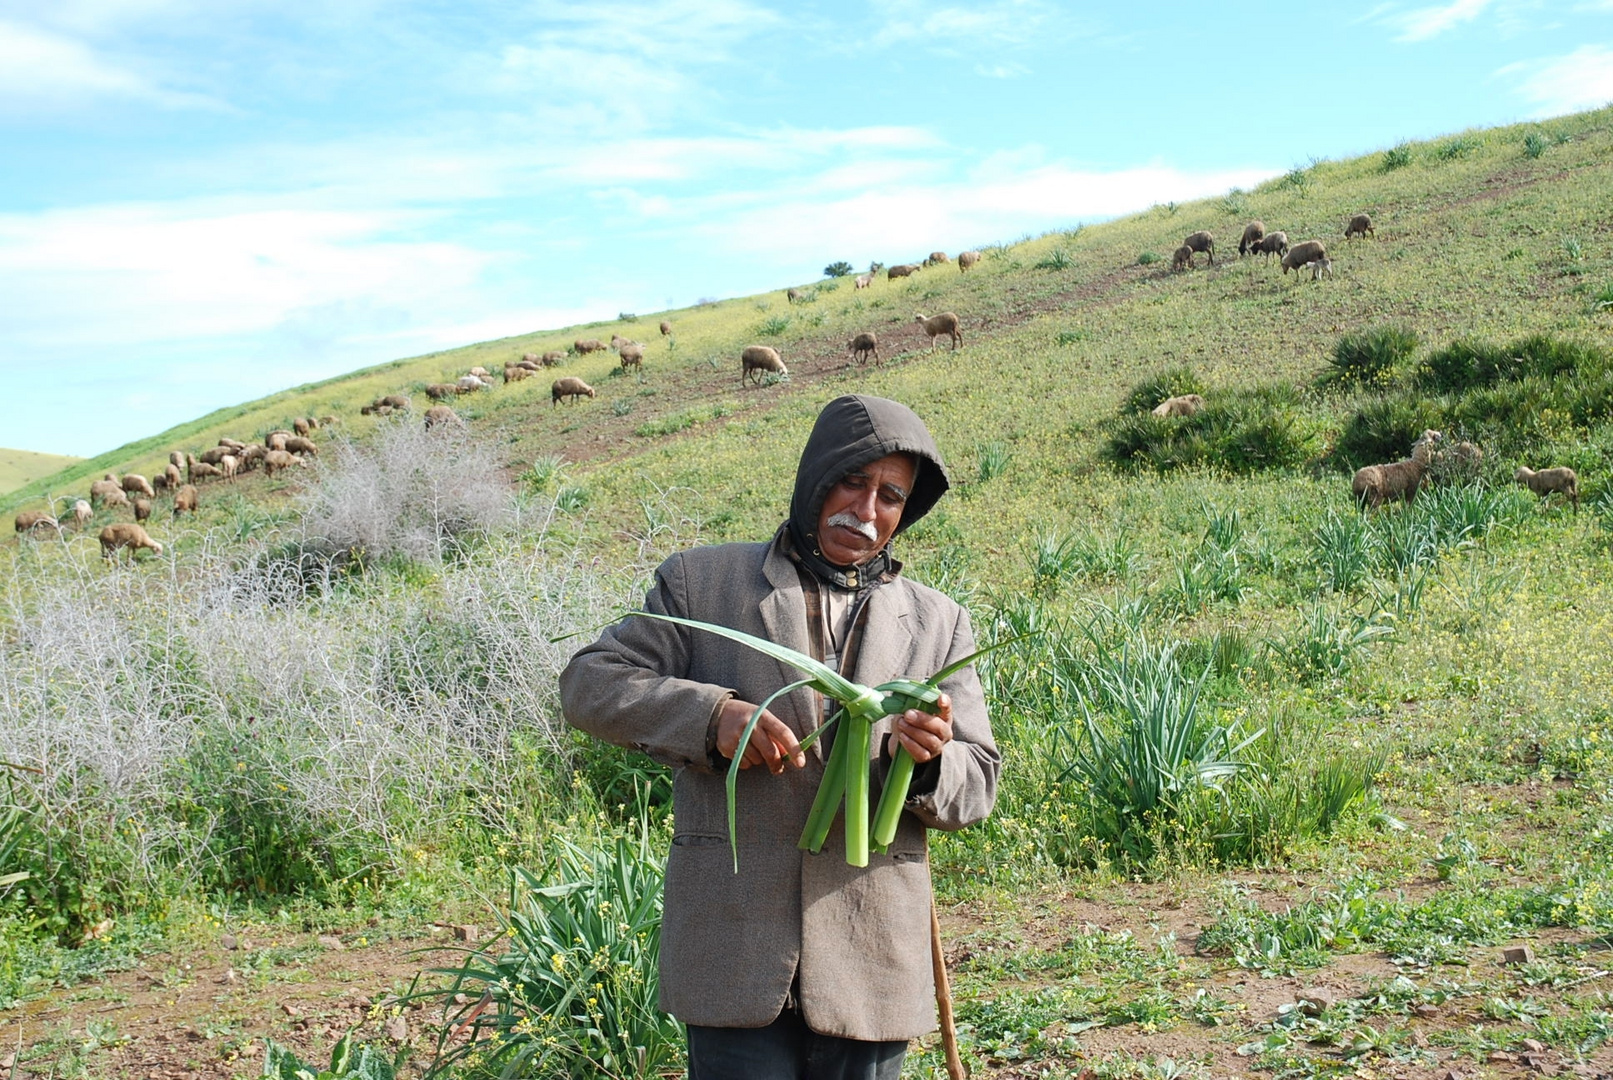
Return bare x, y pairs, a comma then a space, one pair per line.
860, 708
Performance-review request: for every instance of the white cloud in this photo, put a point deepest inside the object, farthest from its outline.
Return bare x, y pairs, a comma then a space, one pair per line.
1006, 22
1424, 23
43, 70
1581, 80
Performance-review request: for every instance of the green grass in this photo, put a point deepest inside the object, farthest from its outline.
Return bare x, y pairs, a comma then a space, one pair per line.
20, 467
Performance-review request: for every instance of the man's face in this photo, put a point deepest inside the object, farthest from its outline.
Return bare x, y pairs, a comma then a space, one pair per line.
862, 510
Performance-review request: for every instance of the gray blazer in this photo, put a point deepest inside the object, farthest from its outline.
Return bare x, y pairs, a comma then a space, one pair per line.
731, 944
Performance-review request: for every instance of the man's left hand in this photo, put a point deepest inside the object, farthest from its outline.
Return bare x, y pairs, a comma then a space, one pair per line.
922, 733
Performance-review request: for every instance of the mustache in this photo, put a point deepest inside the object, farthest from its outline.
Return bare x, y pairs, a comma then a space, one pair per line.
852, 521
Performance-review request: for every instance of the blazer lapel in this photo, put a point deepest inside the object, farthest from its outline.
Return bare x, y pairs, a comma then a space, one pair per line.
886, 651
783, 615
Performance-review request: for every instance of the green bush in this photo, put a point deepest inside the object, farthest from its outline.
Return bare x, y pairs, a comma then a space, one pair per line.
1535, 144
1462, 365
1397, 157
1148, 258
1368, 357
1383, 429
1243, 431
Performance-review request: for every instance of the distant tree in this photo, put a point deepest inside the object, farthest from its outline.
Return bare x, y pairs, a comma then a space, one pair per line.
875, 267
837, 269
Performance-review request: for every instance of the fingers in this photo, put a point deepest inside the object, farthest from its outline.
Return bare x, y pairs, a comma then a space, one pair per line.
772, 745
924, 734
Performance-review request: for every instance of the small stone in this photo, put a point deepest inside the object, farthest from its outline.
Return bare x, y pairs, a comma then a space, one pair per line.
1451, 1074
1427, 1012
1419, 1040
461, 999
1537, 1062
229, 942
1314, 1002
229, 976
8, 1061
331, 941
467, 933
290, 1010
397, 1029
1518, 954
1532, 1046
251, 1050
1499, 1057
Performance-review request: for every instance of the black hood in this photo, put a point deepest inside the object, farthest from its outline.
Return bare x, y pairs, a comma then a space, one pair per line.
852, 431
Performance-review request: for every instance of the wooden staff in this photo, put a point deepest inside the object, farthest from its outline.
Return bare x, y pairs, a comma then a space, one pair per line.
943, 999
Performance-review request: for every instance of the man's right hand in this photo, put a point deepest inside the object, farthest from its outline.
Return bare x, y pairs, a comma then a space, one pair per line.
772, 744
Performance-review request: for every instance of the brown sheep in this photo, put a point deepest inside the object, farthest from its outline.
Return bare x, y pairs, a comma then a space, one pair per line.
936, 325
1181, 405
901, 270
528, 365
569, 387
201, 470
142, 509
1201, 241
214, 454
1302, 254
29, 520
528, 358
228, 466
1272, 244
936, 258
276, 440
252, 456
480, 372
108, 493
81, 513
584, 346
1360, 225
515, 373
552, 359
757, 359
1253, 233
327, 421
442, 414
1182, 256
863, 346
172, 475
1546, 481
967, 260
632, 356
233, 446
300, 426
176, 459
666, 328
126, 534
793, 295
160, 482
185, 499
1374, 485
275, 460
299, 445
134, 482
442, 391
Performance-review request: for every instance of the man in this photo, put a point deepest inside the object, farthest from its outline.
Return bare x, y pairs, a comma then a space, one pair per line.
799, 966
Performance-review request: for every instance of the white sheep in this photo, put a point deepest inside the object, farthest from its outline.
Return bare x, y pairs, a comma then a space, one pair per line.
1543, 483
126, 534
757, 359
967, 260
862, 281
936, 325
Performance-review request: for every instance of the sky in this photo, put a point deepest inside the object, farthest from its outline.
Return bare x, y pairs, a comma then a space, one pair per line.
205, 201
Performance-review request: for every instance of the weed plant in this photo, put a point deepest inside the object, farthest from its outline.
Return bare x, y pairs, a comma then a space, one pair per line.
1367, 357
1397, 157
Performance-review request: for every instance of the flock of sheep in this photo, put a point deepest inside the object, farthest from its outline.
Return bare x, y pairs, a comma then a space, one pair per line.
179, 478
1310, 255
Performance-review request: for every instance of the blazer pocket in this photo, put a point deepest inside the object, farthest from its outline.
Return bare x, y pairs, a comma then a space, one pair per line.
900, 856
697, 840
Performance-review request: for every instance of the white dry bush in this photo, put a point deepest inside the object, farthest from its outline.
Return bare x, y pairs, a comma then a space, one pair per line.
410, 491
367, 718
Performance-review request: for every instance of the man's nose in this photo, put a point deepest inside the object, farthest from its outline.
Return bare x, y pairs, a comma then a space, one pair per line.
864, 506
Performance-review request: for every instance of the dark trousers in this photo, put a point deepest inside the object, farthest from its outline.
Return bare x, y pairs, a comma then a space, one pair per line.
787, 1049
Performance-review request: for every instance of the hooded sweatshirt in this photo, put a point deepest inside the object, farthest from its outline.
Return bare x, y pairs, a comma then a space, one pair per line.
852, 431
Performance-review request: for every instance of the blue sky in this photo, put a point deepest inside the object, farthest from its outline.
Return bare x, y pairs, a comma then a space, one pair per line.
203, 201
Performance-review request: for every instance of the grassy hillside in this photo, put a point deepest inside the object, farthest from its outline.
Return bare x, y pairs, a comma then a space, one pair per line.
338, 716
21, 467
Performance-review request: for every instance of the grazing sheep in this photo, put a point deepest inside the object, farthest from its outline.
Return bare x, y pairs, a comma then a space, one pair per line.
108, 493
229, 465
616, 342
480, 372
1182, 256
758, 359
1360, 225
299, 445
328, 421
936, 258
936, 325
275, 460
442, 391
792, 295
967, 259
142, 509
233, 446
1272, 244
1546, 481
135, 482
201, 470
81, 513
126, 534
584, 346
253, 456
185, 499
666, 328
1181, 405
1375, 485
528, 365
1319, 268
442, 414
372, 408
176, 459
172, 475
568, 387
901, 270
515, 373
469, 384
863, 346
29, 520
1201, 241
551, 359
862, 281
276, 440
1253, 233
214, 454
300, 426
160, 482
528, 358
1302, 255
1458, 462
632, 355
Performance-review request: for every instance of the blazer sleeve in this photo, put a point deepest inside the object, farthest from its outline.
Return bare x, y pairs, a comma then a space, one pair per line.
959, 788
631, 688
